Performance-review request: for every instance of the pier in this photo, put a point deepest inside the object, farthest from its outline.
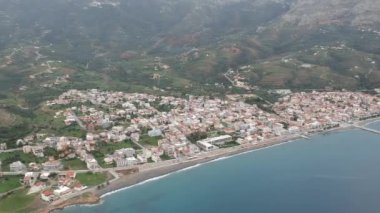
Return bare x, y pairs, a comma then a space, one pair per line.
367, 129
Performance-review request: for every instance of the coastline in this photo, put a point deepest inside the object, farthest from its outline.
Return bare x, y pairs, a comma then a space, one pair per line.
149, 173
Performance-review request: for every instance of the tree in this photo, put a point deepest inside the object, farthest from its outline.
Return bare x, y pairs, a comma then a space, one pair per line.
196, 136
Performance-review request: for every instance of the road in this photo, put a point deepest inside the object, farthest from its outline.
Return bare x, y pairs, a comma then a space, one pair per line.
80, 123
138, 144
10, 150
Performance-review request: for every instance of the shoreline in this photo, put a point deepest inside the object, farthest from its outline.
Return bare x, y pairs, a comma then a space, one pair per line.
156, 172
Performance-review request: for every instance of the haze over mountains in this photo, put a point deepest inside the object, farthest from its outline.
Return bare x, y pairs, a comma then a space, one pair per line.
288, 43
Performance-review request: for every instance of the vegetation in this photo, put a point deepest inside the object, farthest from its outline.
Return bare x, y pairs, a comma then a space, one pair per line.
99, 156
9, 157
7, 119
196, 136
214, 133
261, 103
165, 157
112, 147
91, 179
162, 107
255, 100
8, 183
147, 140
51, 152
17, 201
71, 131
74, 164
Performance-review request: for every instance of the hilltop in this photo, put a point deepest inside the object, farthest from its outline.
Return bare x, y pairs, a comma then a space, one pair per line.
177, 47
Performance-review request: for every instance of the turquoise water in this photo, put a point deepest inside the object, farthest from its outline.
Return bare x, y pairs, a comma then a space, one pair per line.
333, 173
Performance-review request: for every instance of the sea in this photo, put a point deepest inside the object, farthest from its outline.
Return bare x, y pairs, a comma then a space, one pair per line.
335, 172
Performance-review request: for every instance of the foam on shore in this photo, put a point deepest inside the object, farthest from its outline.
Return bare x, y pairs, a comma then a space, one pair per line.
192, 167
178, 171
188, 168
137, 184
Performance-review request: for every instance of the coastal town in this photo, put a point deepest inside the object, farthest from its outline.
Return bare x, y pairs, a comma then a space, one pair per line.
123, 133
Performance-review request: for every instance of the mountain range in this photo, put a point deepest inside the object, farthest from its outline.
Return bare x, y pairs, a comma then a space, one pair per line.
298, 44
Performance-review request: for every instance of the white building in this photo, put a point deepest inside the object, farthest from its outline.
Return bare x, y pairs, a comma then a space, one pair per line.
52, 165
17, 167
127, 152
206, 146
121, 162
47, 196
62, 190
155, 133
220, 140
131, 161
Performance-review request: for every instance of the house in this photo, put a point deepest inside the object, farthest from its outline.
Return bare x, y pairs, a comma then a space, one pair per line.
206, 146
108, 160
169, 150
92, 164
131, 161
52, 165
141, 159
220, 140
135, 137
20, 142
155, 133
62, 190
38, 151
27, 149
121, 162
44, 175
17, 167
155, 157
193, 149
127, 152
30, 178
3, 146
70, 120
294, 130
47, 195
34, 166
241, 141
71, 174
37, 187
90, 145
79, 187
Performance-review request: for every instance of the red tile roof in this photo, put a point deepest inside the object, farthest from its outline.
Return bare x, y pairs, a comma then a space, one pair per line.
48, 193
70, 174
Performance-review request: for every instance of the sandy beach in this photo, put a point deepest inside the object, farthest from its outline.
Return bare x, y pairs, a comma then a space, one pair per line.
152, 171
